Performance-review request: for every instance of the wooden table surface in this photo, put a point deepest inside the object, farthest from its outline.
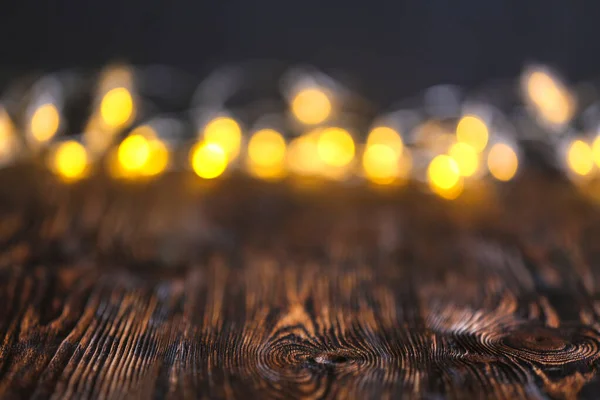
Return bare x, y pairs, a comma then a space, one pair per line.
239, 289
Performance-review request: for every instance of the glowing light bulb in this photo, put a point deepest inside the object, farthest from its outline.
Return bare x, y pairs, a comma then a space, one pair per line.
443, 175
226, 133
117, 108
266, 154
335, 147
311, 106
550, 98
133, 153
502, 161
473, 131
208, 160
381, 163
44, 123
466, 157
70, 161
580, 158
386, 136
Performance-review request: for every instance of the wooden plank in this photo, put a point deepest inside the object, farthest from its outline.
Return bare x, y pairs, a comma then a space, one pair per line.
242, 290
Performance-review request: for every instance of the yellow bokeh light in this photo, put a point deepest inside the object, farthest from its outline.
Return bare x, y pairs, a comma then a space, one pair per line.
8, 138
472, 131
133, 153
381, 164
117, 108
466, 157
580, 158
311, 106
302, 157
335, 147
550, 97
226, 133
266, 154
443, 173
451, 193
208, 160
45, 122
387, 137
502, 161
266, 148
70, 160
158, 159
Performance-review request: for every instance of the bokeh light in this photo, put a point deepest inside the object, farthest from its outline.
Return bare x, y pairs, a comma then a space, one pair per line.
8, 139
466, 158
266, 154
158, 159
70, 160
443, 173
386, 136
133, 152
473, 131
550, 97
45, 122
335, 147
302, 157
450, 193
580, 158
381, 163
117, 108
208, 160
502, 161
311, 106
226, 133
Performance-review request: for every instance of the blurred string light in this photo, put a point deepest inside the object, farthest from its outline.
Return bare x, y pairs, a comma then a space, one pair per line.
9, 142
266, 154
141, 154
226, 133
382, 158
208, 160
381, 164
502, 162
580, 158
302, 157
311, 106
335, 146
466, 158
115, 109
443, 175
460, 150
473, 131
69, 161
549, 97
386, 136
44, 123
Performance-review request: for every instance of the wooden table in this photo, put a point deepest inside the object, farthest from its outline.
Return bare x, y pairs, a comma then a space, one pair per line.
238, 289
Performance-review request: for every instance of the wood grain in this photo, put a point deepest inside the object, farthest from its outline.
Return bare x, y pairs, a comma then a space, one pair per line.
239, 289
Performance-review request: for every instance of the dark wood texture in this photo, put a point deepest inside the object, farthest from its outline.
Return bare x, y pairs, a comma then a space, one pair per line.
246, 290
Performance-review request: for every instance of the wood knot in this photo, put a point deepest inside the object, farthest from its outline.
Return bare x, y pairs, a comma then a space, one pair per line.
538, 339
553, 346
331, 357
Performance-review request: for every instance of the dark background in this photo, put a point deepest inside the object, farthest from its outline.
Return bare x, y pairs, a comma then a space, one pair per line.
393, 48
